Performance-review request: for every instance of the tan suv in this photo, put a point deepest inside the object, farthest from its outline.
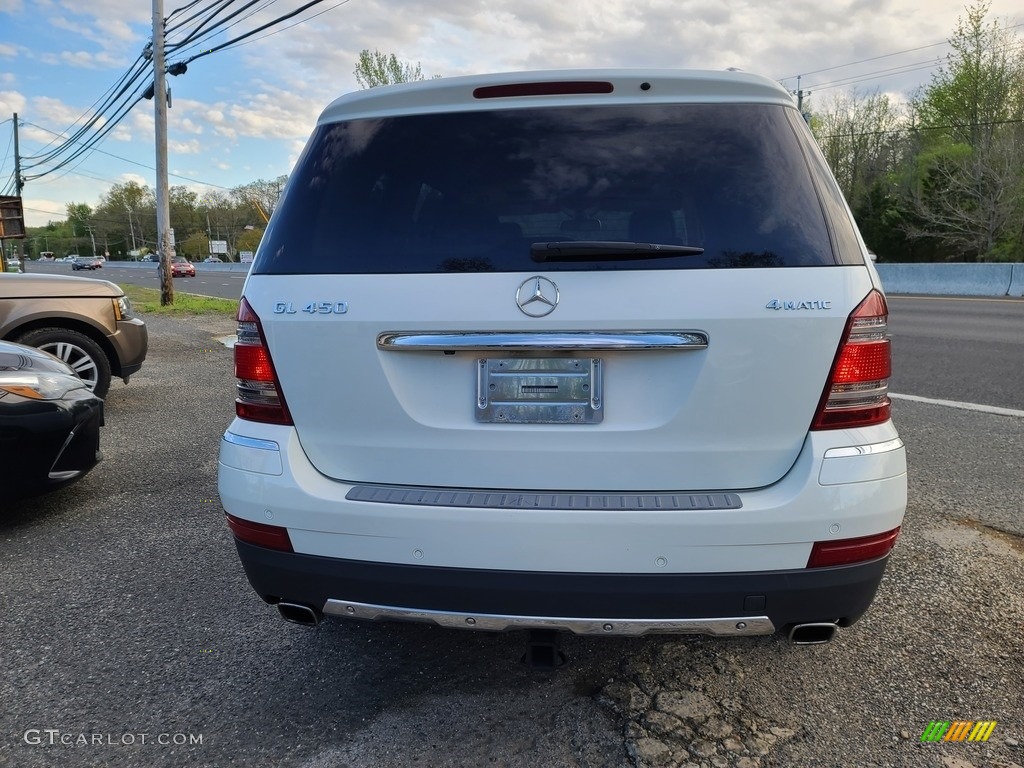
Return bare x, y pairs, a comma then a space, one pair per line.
89, 324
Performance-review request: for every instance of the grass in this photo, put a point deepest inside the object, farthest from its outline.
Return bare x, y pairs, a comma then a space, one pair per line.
147, 300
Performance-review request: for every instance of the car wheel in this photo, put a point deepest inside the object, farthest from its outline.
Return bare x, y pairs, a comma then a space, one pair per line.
77, 350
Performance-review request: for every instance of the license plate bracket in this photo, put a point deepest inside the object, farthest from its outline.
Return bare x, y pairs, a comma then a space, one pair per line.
535, 390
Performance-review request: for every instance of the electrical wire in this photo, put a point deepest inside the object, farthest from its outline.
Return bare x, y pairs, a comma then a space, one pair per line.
889, 72
240, 38
141, 165
301, 21
116, 107
176, 47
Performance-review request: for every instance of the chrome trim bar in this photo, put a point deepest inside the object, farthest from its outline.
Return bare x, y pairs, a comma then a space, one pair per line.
736, 626
562, 340
865, 450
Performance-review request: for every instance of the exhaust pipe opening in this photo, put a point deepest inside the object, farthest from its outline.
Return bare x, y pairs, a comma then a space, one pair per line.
297, 613
812, 634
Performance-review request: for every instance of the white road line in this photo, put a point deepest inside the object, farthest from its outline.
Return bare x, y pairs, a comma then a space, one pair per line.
962, 406
904, 297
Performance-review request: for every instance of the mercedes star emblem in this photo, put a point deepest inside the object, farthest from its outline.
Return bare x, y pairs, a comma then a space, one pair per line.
537, 296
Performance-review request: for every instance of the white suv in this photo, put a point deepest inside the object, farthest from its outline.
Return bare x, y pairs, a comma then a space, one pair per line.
597, 351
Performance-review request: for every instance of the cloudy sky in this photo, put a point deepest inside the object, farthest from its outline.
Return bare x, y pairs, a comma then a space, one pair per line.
243, 113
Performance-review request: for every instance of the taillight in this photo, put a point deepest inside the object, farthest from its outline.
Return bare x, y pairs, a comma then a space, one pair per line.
847, 551
259, 392
260, 534
857, 391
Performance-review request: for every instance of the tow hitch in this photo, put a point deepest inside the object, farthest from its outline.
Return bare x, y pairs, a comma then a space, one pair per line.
542, 650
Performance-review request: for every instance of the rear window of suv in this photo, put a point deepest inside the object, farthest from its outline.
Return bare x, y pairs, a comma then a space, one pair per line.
471, 191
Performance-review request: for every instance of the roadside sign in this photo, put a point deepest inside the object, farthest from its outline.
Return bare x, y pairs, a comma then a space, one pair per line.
12, 217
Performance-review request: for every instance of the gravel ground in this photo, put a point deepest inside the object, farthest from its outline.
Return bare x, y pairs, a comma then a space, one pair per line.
941, 642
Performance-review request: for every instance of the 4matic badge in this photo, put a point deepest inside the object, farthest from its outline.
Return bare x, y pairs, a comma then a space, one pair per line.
812, 304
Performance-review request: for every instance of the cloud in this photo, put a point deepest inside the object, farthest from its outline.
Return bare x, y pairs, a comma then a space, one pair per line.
184, 147
10, 102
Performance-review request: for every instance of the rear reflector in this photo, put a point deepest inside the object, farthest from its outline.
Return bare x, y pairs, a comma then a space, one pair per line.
259, 392
541, 89
847, 551
857, 391
270, 536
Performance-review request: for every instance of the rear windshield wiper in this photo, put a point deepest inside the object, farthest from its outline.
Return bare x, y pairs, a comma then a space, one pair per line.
607, 250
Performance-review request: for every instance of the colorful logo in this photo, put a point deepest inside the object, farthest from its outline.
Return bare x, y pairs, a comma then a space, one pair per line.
958, 730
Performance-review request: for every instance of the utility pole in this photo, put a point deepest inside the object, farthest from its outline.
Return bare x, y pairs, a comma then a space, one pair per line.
163, 212
799, 93
92, 235
131, 227
19, 183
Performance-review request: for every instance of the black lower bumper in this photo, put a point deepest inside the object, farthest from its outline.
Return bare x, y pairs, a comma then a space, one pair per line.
841, 594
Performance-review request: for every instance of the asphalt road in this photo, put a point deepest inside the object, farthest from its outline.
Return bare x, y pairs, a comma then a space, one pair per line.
127, 621
969, 350
209, 282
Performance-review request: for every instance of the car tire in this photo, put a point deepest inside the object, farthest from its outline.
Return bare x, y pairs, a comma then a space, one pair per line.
76, 349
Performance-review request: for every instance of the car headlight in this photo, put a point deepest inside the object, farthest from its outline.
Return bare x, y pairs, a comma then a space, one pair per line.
123, 308
38, 386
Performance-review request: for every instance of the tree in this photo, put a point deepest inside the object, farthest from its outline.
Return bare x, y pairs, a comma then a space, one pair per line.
127, 214
860, 137
250, 239
969, 175
195, 246
376, 68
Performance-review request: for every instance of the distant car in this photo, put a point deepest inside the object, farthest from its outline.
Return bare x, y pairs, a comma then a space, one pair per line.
212, 260
87, 323
86, 262
151, 257
14, 263
182, 267
70, 257
49, 422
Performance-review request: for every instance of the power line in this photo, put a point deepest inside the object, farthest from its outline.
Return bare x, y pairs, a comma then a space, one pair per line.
249, 34
135, 162
114, 111
915, 128
865, 61
892, 71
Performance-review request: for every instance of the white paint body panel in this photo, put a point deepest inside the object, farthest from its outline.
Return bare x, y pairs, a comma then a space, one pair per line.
730, 417
773, 531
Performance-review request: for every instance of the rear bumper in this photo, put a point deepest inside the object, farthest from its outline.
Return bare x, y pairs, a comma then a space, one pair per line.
737, 604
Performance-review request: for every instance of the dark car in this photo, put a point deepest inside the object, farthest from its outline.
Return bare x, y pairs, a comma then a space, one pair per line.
86, 262
49, 422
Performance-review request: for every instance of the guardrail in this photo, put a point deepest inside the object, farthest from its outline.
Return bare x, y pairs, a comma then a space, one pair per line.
228, 266
953, 279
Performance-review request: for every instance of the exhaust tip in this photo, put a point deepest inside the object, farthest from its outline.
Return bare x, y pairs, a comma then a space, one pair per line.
813, 634
297, 613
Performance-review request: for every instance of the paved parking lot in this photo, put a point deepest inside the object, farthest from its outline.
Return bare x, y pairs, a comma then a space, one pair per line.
130, 637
